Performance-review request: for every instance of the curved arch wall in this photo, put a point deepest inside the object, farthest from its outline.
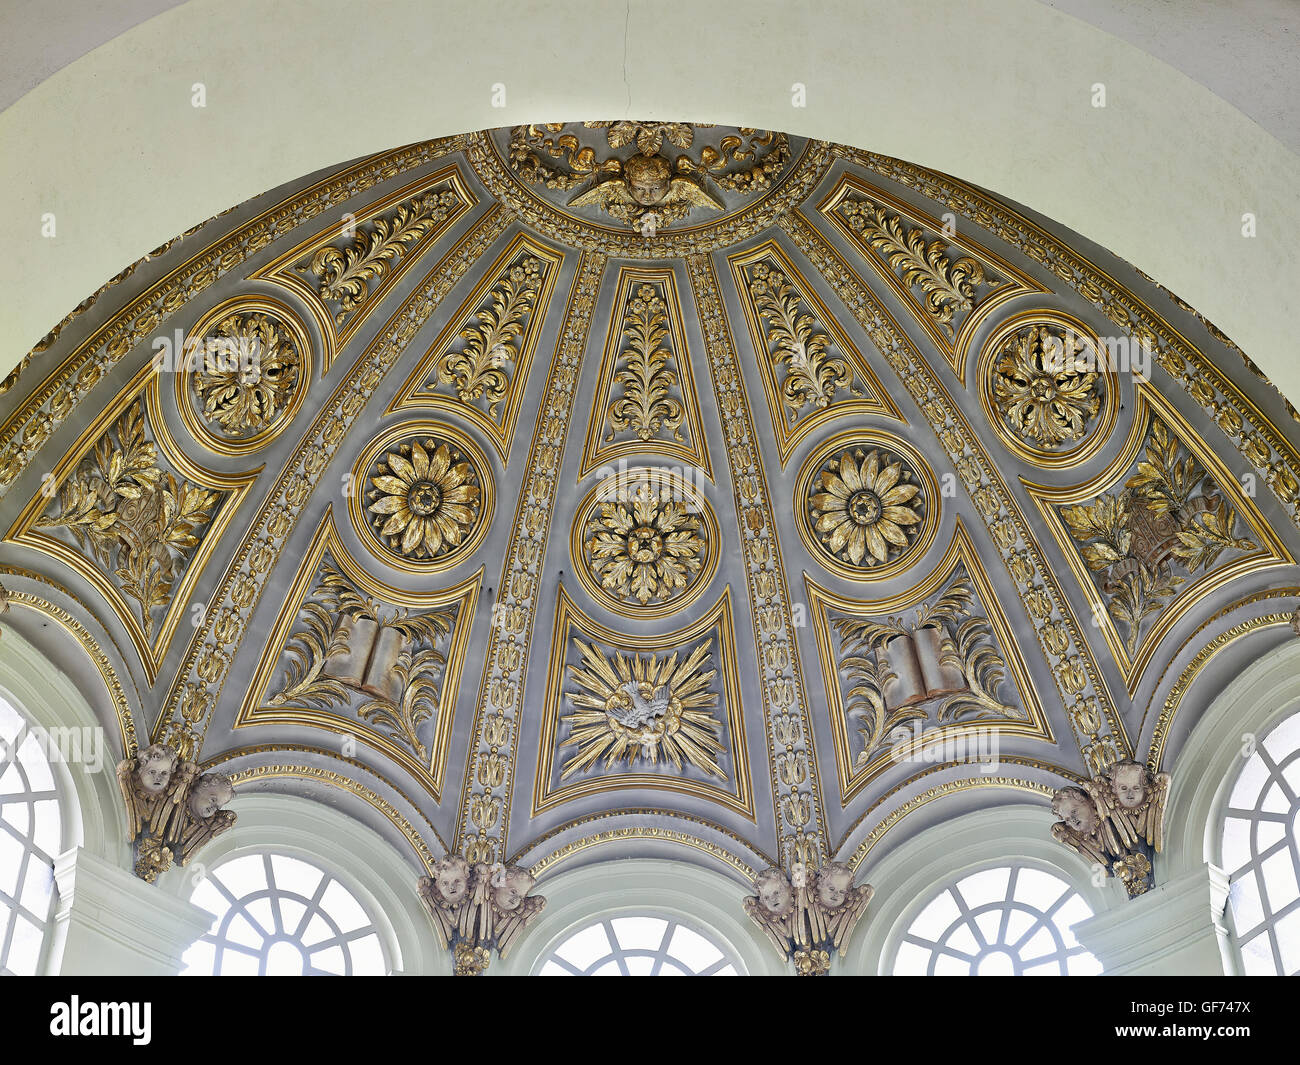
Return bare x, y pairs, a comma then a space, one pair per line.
112, 146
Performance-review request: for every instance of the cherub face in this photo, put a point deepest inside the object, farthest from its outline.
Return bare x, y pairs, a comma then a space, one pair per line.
1130, 785
647, 179
1078, 814
155, 766
452, 878
512, 889
208, 795
775, 895
833, 887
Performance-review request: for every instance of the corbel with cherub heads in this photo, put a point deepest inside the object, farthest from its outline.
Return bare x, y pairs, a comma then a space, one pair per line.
479, 908
808, 914
1116, 821
172, 809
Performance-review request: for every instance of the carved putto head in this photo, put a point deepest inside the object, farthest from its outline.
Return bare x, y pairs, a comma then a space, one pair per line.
833, 884
451, 877
154, 767
1073, 806
774, 892
1128, 781
515, 884
209, 794
647, 179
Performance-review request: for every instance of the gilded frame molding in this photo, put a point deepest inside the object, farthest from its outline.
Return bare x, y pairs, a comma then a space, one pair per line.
578, 554
334, 336
877, 400
1014, 282
595, 452
23, 531
570, 618
416, 393
961, 551
356, 498
866, 437
254, 712
185, 403
1271, 551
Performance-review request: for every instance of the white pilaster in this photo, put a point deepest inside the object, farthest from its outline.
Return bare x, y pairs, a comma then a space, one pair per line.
1175, 929
109, 922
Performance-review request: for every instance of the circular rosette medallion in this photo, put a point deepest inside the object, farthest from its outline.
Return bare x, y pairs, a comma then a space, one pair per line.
424, 496
242, 376
867, 505
1049, 389
645, 542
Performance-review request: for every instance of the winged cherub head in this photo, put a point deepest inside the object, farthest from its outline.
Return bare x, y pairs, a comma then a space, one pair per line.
154, 767
833, 884
1129, 782
451, 878
513, 887
648, 179
209, 794
1073, 806
774, 892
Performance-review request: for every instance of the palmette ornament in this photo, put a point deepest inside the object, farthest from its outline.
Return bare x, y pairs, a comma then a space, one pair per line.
808, 915
171, 810
1116, 821
479, 908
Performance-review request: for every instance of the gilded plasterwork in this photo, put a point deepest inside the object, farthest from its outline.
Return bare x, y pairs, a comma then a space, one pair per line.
1048, 388
645, 397
916, 670
423, 496
645, 543
355, 657
949, 282
244, 373
1162, 527
630, 178
656, 711
867, 505
811, 372
130, 513
490, 770
1093, 716
478, 366
345, 269
1259, 441
796, 786
186, 715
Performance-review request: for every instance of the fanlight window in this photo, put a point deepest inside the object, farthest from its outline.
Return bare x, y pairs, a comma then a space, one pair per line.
1262, 856
273, 915
30, 835
638, 945
1003, 921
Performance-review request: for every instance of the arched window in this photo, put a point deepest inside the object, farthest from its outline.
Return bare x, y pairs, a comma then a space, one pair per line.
275, 915
645, 944
1262, 856
31, 830
1005, 920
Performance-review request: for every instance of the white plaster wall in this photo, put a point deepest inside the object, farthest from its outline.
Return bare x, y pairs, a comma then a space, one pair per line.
998, 93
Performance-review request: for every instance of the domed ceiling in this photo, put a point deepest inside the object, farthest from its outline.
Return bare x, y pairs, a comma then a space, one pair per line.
611, 488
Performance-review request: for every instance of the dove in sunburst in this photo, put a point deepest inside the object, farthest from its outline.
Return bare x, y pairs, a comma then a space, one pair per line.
643, 706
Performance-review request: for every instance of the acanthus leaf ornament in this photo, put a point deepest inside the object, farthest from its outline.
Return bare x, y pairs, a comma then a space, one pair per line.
1116, 821
172, 809
646, 407
808, 915
1046, 385
478, 908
